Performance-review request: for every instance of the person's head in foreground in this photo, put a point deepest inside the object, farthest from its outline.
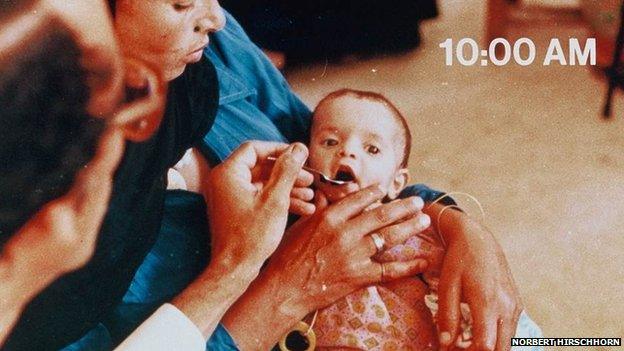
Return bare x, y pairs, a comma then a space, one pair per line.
359, 137
63, 121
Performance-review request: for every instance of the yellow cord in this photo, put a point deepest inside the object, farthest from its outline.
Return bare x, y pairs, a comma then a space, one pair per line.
312, 322
441, 237
460, 193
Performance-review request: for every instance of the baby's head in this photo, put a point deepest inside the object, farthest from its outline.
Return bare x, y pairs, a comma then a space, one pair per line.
361, 137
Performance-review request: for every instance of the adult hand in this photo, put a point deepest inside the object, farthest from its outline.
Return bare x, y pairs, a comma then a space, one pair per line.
301, 195
323, 258
328, 255
247, 214
194, 168
475, 268
248, 210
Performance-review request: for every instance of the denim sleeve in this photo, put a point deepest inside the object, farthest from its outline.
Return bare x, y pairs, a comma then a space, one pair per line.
221, 340
273, 95
426, 193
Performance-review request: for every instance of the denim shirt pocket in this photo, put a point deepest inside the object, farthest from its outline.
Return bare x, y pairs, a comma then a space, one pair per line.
232, 88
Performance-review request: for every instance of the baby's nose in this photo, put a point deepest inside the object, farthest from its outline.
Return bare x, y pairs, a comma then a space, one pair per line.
344, 152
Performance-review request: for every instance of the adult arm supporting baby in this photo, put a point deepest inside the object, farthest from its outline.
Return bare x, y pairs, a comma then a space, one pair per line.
483, 278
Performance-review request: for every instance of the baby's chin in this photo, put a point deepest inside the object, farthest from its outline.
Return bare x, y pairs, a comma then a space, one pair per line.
335, 193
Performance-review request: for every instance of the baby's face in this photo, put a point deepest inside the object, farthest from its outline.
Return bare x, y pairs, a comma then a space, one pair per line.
358, 140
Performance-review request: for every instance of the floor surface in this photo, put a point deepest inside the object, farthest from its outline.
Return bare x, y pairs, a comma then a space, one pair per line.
528, 142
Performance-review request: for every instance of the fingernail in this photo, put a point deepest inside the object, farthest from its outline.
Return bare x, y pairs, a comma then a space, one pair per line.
424, 220
445, 338
418, 202
300, 152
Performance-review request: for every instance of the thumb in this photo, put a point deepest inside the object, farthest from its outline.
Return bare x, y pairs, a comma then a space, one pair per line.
284, 175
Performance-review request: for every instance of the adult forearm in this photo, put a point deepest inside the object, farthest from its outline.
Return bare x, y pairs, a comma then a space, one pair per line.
7, 321
207, 299
266, 311
15, 292
454, 225
10, 309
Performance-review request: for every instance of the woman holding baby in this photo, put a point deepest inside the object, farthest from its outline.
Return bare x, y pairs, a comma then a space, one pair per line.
329, 252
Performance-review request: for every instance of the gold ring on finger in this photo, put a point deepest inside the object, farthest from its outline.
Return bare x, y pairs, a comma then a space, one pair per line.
378, 241
383, 272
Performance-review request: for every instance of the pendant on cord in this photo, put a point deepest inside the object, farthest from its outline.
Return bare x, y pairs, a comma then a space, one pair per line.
300, 338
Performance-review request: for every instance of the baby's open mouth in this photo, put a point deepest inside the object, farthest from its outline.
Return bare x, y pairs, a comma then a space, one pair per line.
345, 174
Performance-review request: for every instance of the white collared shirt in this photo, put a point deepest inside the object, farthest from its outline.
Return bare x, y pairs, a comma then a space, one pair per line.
165, 330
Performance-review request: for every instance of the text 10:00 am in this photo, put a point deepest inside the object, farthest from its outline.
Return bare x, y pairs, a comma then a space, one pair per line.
500, 52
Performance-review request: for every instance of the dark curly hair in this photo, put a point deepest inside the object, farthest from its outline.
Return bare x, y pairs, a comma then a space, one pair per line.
46, 135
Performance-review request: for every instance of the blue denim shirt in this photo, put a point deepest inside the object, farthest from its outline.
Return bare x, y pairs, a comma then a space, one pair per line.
256, 102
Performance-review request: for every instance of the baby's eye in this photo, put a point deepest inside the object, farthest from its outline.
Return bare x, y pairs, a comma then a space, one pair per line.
181, 6
330, 142
372, 149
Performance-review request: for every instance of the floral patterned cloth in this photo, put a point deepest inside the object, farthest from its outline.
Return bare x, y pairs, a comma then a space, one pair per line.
391, 316
400, 315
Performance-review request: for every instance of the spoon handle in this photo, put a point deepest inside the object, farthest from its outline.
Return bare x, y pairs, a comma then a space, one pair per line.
273, 159
323, 177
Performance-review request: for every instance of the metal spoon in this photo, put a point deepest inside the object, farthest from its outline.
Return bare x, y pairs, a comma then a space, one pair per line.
322, 177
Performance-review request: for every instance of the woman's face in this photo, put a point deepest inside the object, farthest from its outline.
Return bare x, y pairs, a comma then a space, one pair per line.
169, 34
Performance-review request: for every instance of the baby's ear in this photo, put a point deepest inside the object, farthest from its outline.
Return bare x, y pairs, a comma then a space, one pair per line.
399, 182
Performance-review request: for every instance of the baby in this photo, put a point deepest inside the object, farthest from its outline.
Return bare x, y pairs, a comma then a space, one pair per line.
362, 138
